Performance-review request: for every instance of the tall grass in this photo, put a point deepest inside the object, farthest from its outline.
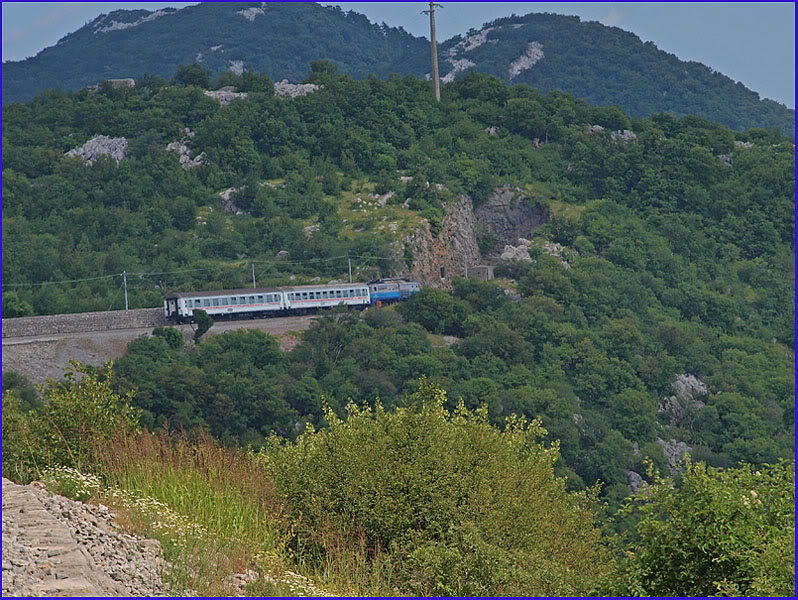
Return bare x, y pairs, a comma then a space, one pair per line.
215, 512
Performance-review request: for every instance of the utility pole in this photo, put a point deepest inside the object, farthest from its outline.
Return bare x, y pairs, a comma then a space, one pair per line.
465, 265
350, 270
435, 79
253, 275
124, 280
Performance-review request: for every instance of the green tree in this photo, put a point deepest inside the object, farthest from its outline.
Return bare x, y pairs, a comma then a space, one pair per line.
204, 323
193, 74
77, 415
14, 306
721, 533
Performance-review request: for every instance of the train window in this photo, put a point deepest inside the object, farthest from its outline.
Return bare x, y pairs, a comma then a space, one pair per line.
216, 301
337, 293
325, 294
304, 295
206, 302
233, 300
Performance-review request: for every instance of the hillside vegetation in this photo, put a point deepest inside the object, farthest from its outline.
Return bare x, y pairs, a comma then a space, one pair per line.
417, 501
666, 326
602, 65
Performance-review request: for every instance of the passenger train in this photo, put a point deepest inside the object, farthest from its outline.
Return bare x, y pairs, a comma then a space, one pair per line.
284, 301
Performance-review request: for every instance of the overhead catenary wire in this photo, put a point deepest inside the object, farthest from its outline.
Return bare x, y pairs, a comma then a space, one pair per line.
151, 273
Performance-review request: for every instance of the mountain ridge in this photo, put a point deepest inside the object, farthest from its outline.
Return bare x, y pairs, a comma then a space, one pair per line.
603, 65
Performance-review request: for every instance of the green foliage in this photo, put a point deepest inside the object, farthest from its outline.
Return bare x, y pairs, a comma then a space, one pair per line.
14, 307
76, 415
19, 385
204, 323
193, 74
455, 505
172, 335
436, 311
720, 533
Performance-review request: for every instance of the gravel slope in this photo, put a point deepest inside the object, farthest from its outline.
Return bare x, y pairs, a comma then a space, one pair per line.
53, 546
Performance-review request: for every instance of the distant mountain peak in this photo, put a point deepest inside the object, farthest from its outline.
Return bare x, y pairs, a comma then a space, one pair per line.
603, 65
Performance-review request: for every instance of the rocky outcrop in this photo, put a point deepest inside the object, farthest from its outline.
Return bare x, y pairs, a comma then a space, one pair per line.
227, 201
510, 216
436, 259
469, 42
250, 14
101, 145
636, 482
624, 135
458, 66
674, 452
103, 25
688, 391
284, 89
533, 54
226, 95
521, 251
184, 152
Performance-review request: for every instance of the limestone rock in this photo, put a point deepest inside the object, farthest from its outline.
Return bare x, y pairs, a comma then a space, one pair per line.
101, 145
688, 390
509, 217
674, 452
533, 54
284, 89
225, 97
636, 482
228, 203
184, 152
458, 66
450, 250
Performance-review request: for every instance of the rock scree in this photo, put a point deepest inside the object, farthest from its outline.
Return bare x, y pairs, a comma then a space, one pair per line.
54, 546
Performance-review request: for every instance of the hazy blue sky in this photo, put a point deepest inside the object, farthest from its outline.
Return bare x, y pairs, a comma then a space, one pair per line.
750, 42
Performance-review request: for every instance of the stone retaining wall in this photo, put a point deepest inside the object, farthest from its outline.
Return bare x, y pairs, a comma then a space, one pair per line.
84, 322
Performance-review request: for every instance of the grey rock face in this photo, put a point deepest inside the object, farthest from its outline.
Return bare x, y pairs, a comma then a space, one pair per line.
228, 203
101, 145
636, 482
184, 152
674, 451
533, 54
687, 391
509, 217
284, 89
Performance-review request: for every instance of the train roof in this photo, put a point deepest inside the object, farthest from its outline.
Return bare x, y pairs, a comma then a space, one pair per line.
323, 286
238, 292
272, 290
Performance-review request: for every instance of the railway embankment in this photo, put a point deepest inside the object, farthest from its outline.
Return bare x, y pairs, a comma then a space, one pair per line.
83, 322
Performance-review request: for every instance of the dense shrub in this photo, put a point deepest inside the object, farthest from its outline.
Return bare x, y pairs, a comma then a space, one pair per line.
721, 533
451, 504
76, 415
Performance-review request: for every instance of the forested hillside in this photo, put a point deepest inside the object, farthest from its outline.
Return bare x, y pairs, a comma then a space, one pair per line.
607, 65
679, 235
603, 65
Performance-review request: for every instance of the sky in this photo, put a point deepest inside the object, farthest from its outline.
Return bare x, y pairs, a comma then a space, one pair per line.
750, 42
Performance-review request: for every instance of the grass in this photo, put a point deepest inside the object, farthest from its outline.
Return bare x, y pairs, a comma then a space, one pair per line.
366, 217
214, 511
